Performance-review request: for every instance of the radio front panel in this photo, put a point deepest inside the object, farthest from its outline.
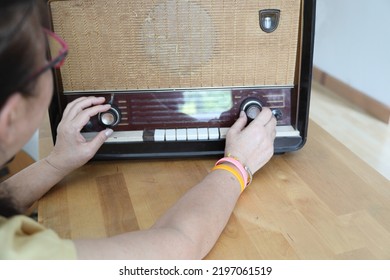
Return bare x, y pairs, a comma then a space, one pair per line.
178, 73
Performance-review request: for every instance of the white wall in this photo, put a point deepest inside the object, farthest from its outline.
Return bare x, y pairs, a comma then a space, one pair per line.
353, 44
32, 147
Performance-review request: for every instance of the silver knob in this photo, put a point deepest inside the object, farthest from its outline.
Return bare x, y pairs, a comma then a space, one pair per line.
110, 118
252, 108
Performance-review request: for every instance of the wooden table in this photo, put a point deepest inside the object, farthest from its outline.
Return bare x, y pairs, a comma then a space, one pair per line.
321, 202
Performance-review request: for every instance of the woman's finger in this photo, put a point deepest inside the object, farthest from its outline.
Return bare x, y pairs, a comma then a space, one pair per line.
78, 105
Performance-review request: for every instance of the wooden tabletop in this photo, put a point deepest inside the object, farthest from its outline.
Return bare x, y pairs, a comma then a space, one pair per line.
322, 202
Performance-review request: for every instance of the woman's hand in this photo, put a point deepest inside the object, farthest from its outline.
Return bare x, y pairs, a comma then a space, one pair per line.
72, 150
252, 145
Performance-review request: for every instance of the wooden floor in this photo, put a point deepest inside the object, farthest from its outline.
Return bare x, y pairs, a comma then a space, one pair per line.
364, 135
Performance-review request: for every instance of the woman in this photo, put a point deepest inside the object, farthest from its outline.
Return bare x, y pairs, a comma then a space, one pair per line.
186, 231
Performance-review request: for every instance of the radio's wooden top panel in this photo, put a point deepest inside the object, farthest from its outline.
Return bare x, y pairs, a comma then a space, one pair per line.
144, 44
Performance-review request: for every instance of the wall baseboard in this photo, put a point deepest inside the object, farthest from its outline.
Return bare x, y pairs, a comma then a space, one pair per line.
373, 107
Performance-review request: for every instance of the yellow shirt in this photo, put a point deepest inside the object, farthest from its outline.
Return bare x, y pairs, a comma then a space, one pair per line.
23, 238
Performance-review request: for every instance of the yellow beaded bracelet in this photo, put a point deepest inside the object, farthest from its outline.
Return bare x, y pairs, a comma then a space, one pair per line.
233, 171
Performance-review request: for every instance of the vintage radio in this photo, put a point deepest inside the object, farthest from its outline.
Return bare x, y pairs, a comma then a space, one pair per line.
178, 72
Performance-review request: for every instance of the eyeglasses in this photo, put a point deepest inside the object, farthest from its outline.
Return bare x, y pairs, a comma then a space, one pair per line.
57, 45
58, 50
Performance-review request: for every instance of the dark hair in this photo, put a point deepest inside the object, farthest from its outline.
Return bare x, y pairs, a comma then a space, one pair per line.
21, 24
20, 29
8, 207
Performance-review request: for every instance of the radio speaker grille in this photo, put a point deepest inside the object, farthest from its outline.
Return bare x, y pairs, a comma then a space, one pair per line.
145, 44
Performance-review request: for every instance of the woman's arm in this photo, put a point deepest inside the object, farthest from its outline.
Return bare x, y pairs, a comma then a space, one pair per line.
70, 152
191, 227
188, 230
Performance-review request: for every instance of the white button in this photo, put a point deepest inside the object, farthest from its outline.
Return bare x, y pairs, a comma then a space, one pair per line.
286, 131
223, 131
159, 135
192, 134
203, 134
170, 135
126, 136
181, 134
213, 133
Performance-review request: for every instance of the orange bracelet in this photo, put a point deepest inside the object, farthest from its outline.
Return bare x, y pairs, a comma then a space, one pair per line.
233, 171
240, 167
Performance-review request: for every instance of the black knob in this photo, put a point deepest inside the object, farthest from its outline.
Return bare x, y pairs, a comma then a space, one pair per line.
277, 113
252, 107
110, 118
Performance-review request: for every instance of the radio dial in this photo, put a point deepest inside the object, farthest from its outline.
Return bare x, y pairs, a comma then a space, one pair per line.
110, 118
252, 107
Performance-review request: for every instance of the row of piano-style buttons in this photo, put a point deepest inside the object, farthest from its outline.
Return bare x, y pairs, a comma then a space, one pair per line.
188, 134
